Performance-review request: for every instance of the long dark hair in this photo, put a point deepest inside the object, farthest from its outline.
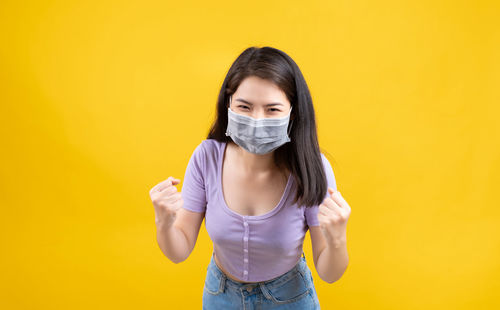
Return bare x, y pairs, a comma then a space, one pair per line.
302, 154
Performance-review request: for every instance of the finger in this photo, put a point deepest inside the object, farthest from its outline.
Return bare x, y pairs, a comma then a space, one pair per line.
164, 193
330, 204
331, 190
174, 198
324, 211
174, 181
339, 200
167, 189
155, 188
167, 183
175, 202
170, 190
320, 217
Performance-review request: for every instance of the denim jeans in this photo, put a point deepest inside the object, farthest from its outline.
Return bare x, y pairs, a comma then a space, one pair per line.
292, 290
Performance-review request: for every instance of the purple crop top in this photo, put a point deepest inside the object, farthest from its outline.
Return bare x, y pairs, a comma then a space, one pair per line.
251, 248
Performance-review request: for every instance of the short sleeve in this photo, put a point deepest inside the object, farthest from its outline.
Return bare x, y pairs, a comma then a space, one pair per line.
311, 214
193, 186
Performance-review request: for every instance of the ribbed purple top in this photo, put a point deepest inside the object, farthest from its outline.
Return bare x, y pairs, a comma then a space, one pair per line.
250, 248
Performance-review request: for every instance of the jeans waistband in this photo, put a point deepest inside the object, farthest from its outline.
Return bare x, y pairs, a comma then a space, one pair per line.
299, 267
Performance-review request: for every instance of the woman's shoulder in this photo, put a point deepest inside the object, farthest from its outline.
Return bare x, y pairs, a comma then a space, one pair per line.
207, 150
211, 143
210, 146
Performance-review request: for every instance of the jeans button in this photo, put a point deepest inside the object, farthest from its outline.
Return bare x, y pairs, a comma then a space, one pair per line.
250, 288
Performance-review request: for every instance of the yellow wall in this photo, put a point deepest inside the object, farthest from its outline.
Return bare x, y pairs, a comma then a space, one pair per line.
101, 100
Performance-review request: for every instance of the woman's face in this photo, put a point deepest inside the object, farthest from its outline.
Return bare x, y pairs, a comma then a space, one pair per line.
259, 98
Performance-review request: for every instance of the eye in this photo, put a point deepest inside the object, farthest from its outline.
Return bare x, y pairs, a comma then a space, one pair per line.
242, 106
275, 110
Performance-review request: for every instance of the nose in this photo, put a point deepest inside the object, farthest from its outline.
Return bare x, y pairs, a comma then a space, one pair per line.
258, 113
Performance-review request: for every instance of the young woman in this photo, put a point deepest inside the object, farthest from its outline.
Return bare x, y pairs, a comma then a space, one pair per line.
260, 181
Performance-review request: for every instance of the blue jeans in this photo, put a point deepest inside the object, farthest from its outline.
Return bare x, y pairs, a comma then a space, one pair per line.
292, 290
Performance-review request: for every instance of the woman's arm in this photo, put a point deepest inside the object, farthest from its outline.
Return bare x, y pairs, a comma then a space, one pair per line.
177, 241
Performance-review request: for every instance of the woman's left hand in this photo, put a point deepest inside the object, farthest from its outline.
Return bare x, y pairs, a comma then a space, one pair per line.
333, 215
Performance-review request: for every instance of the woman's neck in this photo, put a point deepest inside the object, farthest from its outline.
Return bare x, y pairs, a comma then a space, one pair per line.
254, 163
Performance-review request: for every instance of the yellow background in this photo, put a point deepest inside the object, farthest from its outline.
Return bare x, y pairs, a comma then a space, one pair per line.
101, 100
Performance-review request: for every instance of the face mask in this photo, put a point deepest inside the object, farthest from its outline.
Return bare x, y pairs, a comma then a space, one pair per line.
258, 136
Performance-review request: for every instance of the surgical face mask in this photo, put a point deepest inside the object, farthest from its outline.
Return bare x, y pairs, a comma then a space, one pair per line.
258, 136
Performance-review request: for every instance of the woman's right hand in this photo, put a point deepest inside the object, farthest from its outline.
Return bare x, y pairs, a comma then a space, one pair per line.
166, 201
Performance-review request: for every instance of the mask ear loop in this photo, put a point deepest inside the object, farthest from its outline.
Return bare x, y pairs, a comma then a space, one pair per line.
289, 128
227, 134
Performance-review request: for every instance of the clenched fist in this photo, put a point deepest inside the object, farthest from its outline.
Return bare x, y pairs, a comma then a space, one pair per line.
166, 201
333, 215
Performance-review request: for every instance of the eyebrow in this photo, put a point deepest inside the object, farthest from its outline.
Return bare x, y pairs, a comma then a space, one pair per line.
267, 105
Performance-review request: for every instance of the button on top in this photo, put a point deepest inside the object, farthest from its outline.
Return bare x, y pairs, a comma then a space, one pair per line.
246, 238
245, 223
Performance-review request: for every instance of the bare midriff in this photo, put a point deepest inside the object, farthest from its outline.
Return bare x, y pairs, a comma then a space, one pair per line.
227, 273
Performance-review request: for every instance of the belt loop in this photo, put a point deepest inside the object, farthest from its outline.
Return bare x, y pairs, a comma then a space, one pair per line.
222, 285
